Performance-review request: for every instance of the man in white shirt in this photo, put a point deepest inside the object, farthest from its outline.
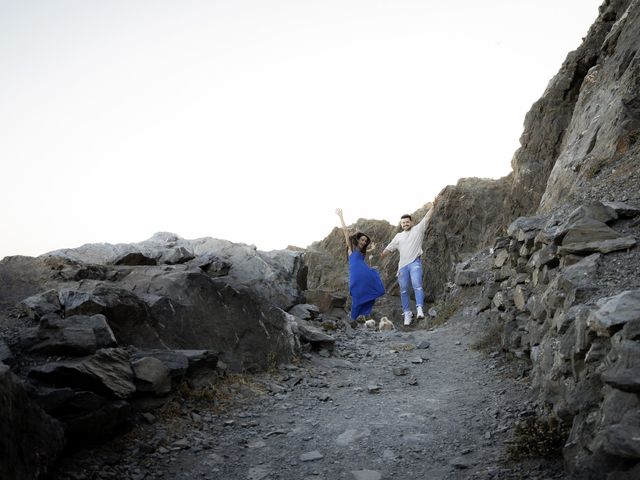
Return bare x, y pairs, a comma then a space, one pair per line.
409, 243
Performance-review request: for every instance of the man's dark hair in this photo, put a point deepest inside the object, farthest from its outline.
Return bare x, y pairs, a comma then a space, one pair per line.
406, 215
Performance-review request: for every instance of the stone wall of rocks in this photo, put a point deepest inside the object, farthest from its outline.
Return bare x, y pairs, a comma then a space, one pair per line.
564, 292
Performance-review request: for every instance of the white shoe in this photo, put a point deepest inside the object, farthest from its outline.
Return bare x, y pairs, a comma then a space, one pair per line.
408, 317
419, 313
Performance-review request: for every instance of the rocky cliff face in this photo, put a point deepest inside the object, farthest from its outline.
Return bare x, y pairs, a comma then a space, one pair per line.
598, 155
563, 290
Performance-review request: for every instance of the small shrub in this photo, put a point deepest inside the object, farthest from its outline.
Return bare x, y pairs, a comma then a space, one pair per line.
538, 437
272, 361
329, 326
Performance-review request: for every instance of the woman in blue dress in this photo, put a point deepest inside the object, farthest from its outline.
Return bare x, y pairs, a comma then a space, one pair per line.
365, 284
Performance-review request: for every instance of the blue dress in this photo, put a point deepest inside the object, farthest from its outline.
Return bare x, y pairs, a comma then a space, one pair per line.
365, 285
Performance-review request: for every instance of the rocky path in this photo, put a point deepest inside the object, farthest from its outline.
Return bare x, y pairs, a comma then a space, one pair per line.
394, 405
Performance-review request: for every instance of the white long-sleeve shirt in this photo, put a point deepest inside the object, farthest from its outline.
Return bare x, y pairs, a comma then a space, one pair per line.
409, 242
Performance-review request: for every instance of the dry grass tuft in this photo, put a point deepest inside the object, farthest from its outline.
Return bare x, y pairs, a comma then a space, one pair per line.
445, 310
490, 339
329, 326
538, 437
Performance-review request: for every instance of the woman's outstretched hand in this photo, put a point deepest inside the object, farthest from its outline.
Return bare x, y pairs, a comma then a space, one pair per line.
339, 212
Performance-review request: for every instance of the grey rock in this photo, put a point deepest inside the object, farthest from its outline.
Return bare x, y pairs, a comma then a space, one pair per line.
624, 374
631, 329
601, 246
106, 372
351, 435
74, 302
305, 311
460, 463
151, 375
499, 301
547, 255
69, 340
366, 474
612, 313
389, 455
36, 306
501, 257
519, 297
469, 277
311, 334
175, 255
176, 362
595, 211
257, 444
134, 259
74, 335
212, 265
400, 371
586, 230
623, 439
258, 473
623, 209
522, 225
311, 456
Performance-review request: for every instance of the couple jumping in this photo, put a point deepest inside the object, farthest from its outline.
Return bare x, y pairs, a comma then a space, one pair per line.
365, 285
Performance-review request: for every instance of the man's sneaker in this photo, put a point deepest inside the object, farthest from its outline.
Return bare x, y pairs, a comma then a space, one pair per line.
408, 316
419, 313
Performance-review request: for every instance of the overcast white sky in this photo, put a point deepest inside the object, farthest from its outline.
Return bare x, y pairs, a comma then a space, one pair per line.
253, 120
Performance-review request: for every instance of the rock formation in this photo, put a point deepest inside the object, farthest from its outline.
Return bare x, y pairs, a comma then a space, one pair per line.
97, 333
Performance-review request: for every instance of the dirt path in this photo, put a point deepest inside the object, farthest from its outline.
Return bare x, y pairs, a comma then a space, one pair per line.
402, 405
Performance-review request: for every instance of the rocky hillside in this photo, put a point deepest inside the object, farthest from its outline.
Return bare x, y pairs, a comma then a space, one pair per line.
551, 249
92, 337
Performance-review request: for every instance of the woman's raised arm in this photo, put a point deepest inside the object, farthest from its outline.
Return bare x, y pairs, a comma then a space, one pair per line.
344, 229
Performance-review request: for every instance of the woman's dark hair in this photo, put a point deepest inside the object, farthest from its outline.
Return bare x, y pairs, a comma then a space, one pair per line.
354, 242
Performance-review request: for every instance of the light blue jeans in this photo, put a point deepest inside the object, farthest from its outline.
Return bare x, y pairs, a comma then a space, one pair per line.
411, 275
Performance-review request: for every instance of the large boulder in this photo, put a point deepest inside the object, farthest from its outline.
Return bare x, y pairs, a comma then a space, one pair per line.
278, 277
107, 372
75, 335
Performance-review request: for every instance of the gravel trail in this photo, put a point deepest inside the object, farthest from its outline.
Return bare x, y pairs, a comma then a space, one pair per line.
407, 404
